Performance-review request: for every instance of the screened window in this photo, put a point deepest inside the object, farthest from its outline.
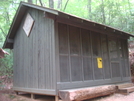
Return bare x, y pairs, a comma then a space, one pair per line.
96, 44
74, 36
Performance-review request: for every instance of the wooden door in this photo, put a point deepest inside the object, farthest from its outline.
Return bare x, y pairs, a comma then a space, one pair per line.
114, 59
123, 49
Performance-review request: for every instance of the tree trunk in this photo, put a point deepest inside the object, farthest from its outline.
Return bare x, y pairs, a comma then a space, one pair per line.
59, 6
129, 5
103, 12
90, 9
36, 2
30, 1
51, 3
86, 93
41, 3
65, 5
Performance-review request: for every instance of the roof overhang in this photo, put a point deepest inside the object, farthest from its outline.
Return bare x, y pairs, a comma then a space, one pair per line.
59, 17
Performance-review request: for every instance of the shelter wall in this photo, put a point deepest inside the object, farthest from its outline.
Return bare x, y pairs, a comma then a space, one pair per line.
78, 52
33, 55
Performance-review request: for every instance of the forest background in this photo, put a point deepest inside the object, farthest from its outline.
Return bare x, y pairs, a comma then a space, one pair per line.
115, 13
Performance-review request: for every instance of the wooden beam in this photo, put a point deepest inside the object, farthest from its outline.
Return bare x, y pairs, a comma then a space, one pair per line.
49, 15
125, 88
125, 85
41, 8
36, 91
32, 96
91, 26
105, 27
10, 40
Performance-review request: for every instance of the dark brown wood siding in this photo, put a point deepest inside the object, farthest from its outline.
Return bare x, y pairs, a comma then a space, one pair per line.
78, 52
33, 55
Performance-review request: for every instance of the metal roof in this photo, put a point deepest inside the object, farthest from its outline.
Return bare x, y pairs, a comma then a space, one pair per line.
23, 8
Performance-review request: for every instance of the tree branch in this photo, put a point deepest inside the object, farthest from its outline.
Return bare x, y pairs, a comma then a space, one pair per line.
41, 3
2, 31
89, 9
8, 18
65, 5
103, 12
129, 8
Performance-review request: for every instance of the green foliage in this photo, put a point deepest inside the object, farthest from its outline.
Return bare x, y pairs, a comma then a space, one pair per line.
6, 65
12, 96
115, 13
7, 11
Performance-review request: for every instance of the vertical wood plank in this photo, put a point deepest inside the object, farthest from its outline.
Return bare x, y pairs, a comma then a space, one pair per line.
31, 74
18, 59
23, 49
82, 68
101, 54
47, 55
36, 51
69, 59
15, 64
127, 60
53, 55
26, 62
109, 56
92, 55
120, 57
57, 67
20, 67
21, 55
50, 55
41, 51
30, 56
15, 60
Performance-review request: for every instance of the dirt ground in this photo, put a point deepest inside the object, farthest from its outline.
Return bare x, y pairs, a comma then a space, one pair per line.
116, 97
9, 95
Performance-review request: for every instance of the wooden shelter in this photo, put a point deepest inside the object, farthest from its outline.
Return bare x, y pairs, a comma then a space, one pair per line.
56, 51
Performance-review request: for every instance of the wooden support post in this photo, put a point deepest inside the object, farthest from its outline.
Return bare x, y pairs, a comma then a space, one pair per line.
17, 93
32, 96
56, 98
